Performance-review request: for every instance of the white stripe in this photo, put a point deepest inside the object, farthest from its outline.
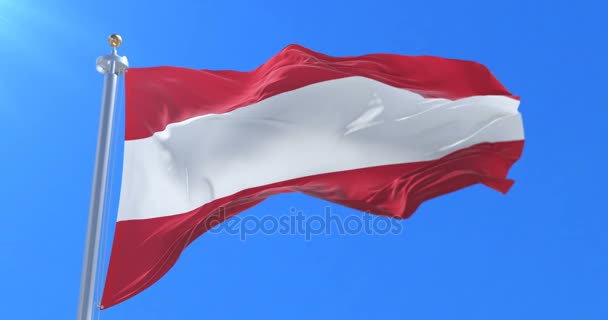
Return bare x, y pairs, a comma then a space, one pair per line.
326, 127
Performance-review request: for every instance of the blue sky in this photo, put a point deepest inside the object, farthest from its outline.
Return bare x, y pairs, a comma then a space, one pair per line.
539, 252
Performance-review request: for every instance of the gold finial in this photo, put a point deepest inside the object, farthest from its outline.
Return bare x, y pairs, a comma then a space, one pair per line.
115, 40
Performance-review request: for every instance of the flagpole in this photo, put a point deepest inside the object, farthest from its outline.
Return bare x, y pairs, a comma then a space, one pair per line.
111, 66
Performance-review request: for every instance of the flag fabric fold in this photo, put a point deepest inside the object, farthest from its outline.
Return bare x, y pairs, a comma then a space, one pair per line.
380, 133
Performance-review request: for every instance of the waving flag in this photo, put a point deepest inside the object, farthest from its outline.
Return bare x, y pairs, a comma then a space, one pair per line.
380, 133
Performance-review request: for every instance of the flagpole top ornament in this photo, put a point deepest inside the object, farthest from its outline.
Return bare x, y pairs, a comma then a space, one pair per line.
113, 63
115, 40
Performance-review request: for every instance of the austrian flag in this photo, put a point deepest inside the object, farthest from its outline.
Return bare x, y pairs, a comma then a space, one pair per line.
380, 133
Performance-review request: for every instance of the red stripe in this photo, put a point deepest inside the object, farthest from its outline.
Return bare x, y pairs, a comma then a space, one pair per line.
156, 97
144, 250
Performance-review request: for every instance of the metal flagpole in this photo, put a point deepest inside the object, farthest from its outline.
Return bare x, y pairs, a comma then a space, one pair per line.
112, 66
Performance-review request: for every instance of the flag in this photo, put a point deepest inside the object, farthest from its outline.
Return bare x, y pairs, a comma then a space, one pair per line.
380, 133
